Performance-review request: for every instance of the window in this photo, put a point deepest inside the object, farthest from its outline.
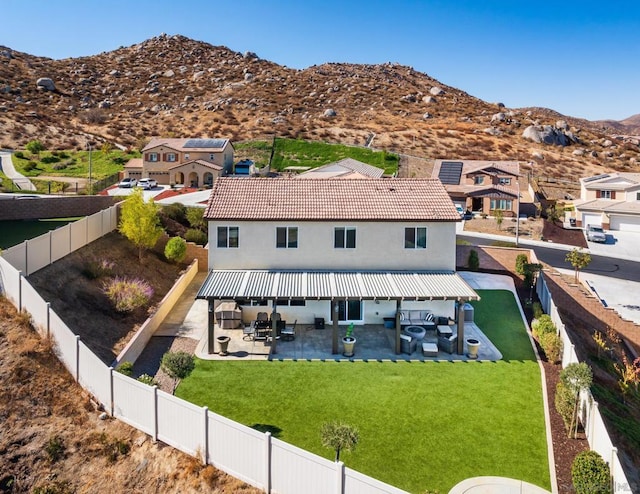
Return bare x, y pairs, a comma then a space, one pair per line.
171, 157
605, 194
504, 181
153, 156
478, 179
228, 237
503, 204
415, 238
186, 156
212, 157
344, 238
637, 196
293, 302
287, 237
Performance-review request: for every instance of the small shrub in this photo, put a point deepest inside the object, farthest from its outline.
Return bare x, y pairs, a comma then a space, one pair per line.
95, 268
473, 261
551, 343
125, 368
176, 211
19, 154
147, 379
521, 261
565, 402
195, 217
57, 487
590, 474
54, 448
30, 166
60, 166
196, 236
127, 294
177, 365
50, 159
542, 325
537, 310
114, 448
176, 249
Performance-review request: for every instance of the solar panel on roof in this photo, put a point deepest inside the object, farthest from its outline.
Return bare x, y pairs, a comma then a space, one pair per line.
597, 177
205, 143
450, 172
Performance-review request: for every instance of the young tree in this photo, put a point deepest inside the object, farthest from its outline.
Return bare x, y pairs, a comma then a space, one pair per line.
195, 217
338, 437
178, 365
473, 262
139, 222
578, 259
499, 216
576, 377
35, 147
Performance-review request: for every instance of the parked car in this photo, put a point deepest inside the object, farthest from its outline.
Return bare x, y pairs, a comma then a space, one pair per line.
595, 234
128, 182
147, 183
460, 210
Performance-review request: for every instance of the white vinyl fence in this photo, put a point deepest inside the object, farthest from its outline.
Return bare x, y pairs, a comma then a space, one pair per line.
251, 456
594, 425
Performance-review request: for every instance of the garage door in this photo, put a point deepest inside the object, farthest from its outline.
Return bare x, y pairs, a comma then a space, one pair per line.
625, 223
591, 219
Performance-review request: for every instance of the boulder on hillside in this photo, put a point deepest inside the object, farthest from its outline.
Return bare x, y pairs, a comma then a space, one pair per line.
562, 125
45, 83
498, 117
329, 112
429, 100
409, 98
427, 116
548, 134
492, 131
436, 91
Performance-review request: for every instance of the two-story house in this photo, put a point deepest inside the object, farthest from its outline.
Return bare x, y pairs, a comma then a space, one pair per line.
343, 250
481, 186
610, 200
191, 162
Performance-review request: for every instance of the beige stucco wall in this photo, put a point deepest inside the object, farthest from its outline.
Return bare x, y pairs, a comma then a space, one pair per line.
378, 246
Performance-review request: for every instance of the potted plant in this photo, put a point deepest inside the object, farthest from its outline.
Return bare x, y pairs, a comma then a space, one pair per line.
348, 341
473, 345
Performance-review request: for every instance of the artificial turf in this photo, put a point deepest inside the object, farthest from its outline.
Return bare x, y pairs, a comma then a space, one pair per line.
423, 425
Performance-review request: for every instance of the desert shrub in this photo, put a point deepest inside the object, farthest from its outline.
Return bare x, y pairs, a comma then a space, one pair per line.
590, 473
551, 343
60, 166
113, 448
50, 159
30, 166
94, 116
54, 448
537, 310
98, 268
127, 294
147, 379
176, 211
473, 262
125, 368
543, 325
196, 236
565, 402
521, 261
176, 249
57, 487
195, 217
19, 154
35, 147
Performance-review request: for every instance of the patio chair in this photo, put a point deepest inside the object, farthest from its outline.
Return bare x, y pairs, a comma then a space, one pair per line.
288, 333
262, 320
248, 332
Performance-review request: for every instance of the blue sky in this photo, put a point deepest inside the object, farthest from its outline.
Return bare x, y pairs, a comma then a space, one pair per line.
580, 58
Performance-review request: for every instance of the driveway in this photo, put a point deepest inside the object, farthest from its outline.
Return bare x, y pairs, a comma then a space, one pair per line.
622, 245
19, 180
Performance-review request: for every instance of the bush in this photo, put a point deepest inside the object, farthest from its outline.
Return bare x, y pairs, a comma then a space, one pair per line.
551, 343
590, 474
30, 166
195, 217
474, 261
55, 448
147, 379
543, 325
50, 159
176, 249
128, 294
57, 487
19, 154
177, 212
125, 368
196, 236
537, 310
565, 402
521, 261
177, 365
94, 268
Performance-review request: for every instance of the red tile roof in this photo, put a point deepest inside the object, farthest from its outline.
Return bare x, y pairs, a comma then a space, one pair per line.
379, 199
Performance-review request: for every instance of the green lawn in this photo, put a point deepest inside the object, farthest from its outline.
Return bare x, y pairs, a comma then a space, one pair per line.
15, 232
422, 425
295, 152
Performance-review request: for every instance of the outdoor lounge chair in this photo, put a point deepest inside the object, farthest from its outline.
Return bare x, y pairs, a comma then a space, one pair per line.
288, 333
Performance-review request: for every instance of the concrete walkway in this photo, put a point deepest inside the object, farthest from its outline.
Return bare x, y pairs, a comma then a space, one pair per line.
495, 485
19, 180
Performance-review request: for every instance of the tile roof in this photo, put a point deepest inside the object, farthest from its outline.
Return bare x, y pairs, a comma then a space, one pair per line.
470, 166
187, 144
134, 163
612, 181
376, 199
204, 163
347, 167
608, 206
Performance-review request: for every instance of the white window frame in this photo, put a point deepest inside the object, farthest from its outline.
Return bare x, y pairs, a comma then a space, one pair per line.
228, 241
504, 181
501, 205
415, 241
478, 180
288, 234
605, 194
348, 233
154, 157
171, 157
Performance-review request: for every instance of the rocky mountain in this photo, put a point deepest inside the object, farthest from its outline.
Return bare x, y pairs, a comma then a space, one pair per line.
176, 86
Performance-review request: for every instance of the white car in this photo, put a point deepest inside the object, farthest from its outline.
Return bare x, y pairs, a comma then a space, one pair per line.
596, 234
460, 210
127, 182
147, 183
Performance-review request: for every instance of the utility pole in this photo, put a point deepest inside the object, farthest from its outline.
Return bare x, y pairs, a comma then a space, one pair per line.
518, 213
90, 190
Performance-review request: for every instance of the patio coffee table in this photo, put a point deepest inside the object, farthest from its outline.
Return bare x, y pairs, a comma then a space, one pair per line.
445, 330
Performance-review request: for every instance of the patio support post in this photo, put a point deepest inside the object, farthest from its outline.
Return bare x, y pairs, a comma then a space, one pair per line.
334, 321
398, 346
275, 320
460, 349
211, 323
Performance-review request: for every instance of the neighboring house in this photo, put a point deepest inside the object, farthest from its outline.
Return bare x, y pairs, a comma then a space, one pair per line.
358, 250
191, 162
610, 200
345, 168
481, 186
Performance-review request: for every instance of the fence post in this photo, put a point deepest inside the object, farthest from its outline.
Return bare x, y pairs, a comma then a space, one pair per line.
111, 393
206, 435
267, 462
20, 291
77, 358
50, 248
26, 256
48, 319
155, 413
339, 477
